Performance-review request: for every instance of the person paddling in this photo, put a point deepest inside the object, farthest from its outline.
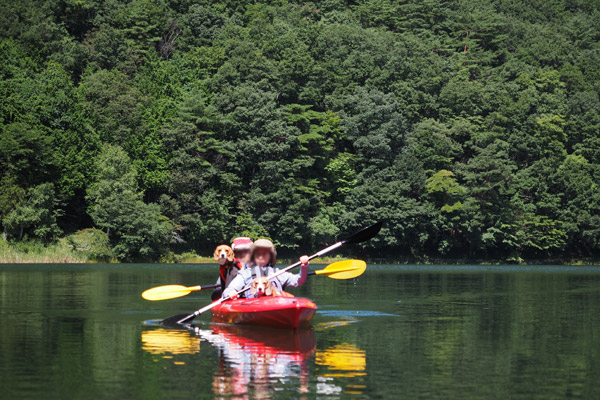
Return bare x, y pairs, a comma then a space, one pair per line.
263, 257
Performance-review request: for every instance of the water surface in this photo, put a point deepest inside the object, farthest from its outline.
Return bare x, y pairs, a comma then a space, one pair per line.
453, 332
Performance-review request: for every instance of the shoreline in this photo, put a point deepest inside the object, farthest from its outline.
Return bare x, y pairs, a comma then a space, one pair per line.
62, 253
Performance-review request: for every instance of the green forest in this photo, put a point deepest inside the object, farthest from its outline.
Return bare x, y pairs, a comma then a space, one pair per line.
138, 129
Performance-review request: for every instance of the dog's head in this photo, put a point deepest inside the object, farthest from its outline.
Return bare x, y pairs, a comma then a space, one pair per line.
262, 287
223, 254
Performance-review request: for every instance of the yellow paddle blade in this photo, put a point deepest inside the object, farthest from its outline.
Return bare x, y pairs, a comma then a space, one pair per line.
343, 360
164, 341
168, 292
346, 269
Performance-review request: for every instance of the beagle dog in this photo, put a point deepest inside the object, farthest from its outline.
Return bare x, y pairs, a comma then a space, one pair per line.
229, 266
223, 254
263, 287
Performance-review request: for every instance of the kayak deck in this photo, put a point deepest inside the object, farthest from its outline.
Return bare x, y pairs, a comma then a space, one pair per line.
279, 312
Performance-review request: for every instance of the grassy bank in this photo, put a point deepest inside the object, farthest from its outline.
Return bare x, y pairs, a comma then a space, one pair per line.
32, 252
62, 252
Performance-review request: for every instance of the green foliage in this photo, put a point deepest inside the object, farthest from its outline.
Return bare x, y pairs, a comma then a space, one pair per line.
36, 216
540, 233
136, 230
324, 225
342, 173
471, 127
11, 196
92, 243
25, 153
443, 185
247, 226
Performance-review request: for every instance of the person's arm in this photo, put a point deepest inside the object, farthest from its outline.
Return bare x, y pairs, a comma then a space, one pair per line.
295, 280
235, 286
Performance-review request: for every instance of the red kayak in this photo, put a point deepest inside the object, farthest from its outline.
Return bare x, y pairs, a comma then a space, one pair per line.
279, 312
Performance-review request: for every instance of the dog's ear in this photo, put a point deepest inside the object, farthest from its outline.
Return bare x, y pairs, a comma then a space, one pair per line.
269, 289
230, 255
253, 287
216, 254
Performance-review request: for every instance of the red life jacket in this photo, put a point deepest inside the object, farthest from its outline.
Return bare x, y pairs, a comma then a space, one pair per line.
223, 268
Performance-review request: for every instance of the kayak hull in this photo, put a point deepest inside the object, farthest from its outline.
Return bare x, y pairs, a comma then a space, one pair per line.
278, 312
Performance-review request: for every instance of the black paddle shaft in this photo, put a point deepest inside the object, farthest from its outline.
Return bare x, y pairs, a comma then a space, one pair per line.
360, 236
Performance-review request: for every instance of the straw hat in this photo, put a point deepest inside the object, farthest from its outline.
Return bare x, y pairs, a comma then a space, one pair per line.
264, 244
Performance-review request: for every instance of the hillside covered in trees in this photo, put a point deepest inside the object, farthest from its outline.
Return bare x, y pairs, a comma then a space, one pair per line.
472, 127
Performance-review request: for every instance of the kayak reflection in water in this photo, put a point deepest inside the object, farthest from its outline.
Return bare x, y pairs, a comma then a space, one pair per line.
255, 361
258, 362
263, 257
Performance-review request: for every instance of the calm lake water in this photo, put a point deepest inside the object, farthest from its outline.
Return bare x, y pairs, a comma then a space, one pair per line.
414, 332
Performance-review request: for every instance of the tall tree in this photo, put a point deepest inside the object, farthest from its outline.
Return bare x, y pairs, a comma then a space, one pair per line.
136, 230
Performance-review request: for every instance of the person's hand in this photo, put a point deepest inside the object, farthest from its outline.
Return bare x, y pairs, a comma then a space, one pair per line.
304, 261
234, 295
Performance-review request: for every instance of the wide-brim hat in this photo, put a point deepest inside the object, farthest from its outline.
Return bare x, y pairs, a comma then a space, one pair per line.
264, 244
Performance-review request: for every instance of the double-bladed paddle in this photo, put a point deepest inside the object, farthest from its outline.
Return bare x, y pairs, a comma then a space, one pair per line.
360, 236
346, 269
339, 270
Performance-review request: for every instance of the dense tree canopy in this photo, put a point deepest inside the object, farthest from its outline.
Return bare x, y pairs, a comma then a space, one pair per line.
471, 127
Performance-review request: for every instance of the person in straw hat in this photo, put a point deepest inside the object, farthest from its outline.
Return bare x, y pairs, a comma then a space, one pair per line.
262, 264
